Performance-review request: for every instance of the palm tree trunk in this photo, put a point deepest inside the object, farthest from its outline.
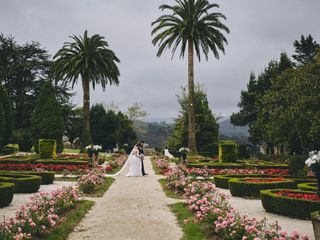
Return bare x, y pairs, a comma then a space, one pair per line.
192, 131
86, 135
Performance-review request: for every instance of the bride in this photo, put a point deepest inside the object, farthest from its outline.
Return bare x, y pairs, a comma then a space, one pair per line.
134, 162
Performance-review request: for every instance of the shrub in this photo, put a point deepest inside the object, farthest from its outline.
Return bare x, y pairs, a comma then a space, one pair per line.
47, 177
222, 181
297, 166
6, 193
47, 148
227, 151
61, 162
217, 165
23, 183
287, 206
308, 186
47, 121
7, 111
239, 187
2, 123
23, 138
244, 151
7, 150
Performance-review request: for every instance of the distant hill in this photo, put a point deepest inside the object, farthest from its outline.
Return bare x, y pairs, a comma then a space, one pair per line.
228, 130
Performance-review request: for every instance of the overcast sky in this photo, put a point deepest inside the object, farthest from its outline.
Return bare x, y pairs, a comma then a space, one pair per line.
260, 31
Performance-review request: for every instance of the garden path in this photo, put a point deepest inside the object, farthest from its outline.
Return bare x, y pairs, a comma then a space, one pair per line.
254, 208
134, 208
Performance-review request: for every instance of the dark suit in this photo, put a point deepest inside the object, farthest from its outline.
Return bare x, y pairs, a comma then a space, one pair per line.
141, 151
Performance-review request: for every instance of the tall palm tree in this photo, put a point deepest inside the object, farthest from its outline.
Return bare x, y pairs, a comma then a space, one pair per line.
89, 59
190, 24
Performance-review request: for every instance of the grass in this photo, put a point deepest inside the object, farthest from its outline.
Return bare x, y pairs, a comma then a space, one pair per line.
167, 191
71, 219
191, 231
71, 150
101, 189
66, 179
155, 167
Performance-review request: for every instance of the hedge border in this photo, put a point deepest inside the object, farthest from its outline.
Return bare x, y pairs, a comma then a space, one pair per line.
6, 193
311, 186
222, 181
61, 162
239, 188
47, 177
291, 207
23, 183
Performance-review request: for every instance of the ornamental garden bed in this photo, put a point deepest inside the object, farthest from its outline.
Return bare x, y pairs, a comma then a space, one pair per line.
313, 186
47, 177
222, 181
250, 187
290, 202
6, 193
23, 183
48, 167
216, 165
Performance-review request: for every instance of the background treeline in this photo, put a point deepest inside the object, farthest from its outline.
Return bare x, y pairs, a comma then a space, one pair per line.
281, 105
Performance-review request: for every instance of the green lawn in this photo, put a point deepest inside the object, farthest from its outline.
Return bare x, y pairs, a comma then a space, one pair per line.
167, 191
71, 150
101, 189
71, 219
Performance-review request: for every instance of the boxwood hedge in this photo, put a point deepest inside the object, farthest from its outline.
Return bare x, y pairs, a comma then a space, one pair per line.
23, 183
214, 165
6, 193
61, 162
240, 188
291, 207
222, 181
47, 177
308, 186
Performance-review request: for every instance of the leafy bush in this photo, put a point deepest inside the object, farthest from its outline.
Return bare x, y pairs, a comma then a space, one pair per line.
6, 193
47, 177
273, 158
297, 167
287, 206
308, 186
47, 148
240, 188
23, 183
2, 123
7, 150
7, 111
23, 138
244, 151
227, 151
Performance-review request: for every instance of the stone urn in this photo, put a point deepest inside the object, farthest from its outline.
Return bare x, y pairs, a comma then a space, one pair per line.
315, 217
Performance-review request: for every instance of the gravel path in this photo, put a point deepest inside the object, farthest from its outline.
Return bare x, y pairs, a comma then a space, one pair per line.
134, 208
22, 198
254, 208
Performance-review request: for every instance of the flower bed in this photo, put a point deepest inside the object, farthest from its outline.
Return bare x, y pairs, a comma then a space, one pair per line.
212, 208
88, 182
163, 165
292, 203
6, 193
308, 186
177, 180
48, 167
206, 172
250, 187
41, 214
61, 162
23, 183
222, 181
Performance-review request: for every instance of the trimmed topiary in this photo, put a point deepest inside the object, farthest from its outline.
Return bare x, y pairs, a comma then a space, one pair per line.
47, 148
6, 193
222, 181
23, 183
297, 166
47, 177
243, 187
227, 151
287, 206
313, 186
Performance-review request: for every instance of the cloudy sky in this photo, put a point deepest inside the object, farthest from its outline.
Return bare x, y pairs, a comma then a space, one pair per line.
260, 31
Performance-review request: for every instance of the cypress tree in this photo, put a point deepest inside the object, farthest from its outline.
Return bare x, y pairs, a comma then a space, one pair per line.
7, 111
2, 123
47, 120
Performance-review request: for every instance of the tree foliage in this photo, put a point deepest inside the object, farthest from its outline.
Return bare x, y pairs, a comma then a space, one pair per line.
305, 50
47, 121
207, 128
7, 111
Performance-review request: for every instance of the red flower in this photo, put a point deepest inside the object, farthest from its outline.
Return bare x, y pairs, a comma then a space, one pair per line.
259, 180
305, 196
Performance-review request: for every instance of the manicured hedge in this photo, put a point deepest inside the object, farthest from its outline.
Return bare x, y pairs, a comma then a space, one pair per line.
308, 186
265, 165
17, 160
222, 181
239, 188
215, 165
61, 162
6, 193
227, 151
47, 177
291, 207
303, 180
23, 183
47, 148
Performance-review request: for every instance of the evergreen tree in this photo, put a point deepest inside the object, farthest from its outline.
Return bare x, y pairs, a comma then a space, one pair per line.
2, 123
7, 110
305, 49
47, 120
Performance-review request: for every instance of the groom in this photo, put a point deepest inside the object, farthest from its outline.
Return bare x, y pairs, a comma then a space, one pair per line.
141, 151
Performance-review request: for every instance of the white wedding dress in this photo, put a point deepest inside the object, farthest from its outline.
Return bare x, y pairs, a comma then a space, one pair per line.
135, 165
